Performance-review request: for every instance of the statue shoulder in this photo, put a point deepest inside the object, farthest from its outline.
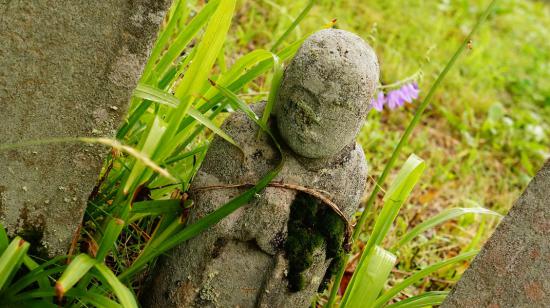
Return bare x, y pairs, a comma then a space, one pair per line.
250, 160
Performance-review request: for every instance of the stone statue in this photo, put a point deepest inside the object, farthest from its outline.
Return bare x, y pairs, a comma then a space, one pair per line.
275, 251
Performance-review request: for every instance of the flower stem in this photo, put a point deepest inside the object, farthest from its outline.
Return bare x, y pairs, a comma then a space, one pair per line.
401, 82
404, 139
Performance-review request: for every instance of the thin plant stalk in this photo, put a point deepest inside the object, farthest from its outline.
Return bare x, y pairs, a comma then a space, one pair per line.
295, 23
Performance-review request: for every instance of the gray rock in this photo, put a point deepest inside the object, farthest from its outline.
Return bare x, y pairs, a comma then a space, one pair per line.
240, 261
67, 69
326, 92
513, 268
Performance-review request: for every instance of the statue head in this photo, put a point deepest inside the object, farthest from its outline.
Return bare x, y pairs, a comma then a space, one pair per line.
326, 92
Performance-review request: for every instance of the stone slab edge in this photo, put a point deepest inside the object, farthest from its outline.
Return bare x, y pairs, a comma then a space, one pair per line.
67, 69
513, 268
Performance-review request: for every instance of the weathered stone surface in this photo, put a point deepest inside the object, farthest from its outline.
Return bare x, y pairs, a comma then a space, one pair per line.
513, 268
240, 261
67, 68
325, 93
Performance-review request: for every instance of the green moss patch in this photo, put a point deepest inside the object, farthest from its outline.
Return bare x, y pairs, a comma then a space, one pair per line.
312, 224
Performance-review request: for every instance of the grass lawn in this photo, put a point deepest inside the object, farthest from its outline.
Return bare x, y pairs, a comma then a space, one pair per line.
488, 129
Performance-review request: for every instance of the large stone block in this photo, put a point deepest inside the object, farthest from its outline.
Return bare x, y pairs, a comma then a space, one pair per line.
513, 268
67, 69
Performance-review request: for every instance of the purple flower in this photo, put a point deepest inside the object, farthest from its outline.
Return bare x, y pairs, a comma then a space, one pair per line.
379, 102
415, 89
396, 98
410, 92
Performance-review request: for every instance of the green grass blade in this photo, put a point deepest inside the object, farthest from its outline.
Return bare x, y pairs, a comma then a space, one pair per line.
399, 191
31, 277
32, 265
445, 215
206, 122
185, 155
208, 50
293, 25
152, 140
74, 272
83, 296
124, 295
275, 83
185, 37
155, 95
112, 231
289, 51
4, 241
177, 11
427, 299
164, 223
478, 236
241, 66
251, 74
163, 66
196, 76
92, 298
38, 293
132, 119
386, 296
191, 137
155, 207
142, 157
175, 72
158, 96
238, 104
11, 259
221, 61
156, 241
370, 279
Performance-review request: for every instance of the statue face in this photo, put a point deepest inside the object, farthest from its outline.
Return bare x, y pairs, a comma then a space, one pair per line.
326, 92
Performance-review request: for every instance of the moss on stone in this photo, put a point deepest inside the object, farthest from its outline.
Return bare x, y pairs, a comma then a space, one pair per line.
34, 235
310, 225
332, 228
332, 269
